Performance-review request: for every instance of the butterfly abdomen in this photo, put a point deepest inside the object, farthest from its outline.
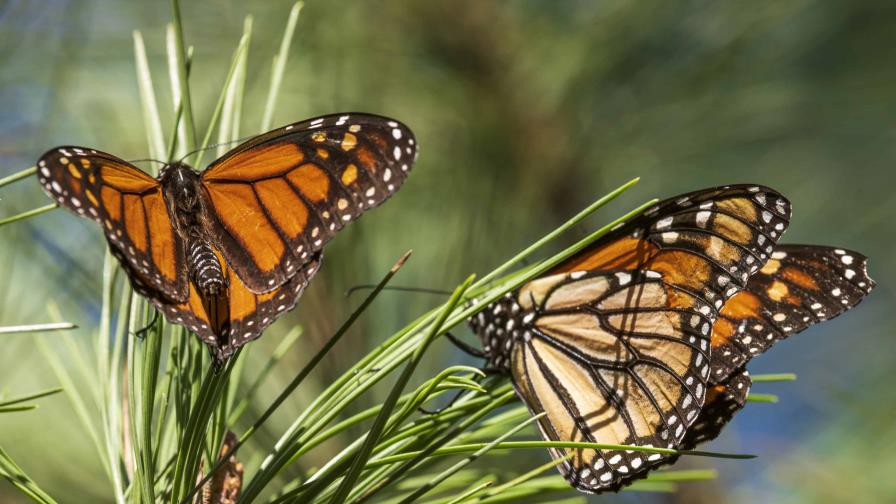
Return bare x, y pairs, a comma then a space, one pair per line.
205, 268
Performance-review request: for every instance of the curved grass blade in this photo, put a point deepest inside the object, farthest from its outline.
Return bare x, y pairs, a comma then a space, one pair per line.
14, 474
279, 66
300, 377
460, 465
379, 423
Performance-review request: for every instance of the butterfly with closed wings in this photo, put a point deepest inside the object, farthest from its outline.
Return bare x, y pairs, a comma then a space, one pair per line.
226, 251
613, 344
633, 340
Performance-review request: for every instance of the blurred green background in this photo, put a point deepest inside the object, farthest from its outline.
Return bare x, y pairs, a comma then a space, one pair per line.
525, 112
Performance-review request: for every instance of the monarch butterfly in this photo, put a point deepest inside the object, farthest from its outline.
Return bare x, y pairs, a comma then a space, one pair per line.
613, 345
226, 251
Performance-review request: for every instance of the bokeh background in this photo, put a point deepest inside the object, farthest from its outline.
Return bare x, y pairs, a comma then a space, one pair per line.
525, 111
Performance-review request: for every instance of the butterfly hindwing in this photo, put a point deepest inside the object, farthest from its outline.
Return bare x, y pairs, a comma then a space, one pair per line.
130, 207
799, 286
723, 401
232, 321
298, 186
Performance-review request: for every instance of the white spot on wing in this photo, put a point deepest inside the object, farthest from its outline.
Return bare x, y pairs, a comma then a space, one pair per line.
703, 218
624, 278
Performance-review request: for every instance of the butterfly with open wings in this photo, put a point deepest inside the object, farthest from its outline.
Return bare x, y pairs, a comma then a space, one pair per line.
618, 344
226, 251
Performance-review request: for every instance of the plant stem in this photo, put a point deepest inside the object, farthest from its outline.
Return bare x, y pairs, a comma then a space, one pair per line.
379, 423
15, 177
248, 495
27, 214
779, 377
279, 66
180, 55
54, 326
557, 232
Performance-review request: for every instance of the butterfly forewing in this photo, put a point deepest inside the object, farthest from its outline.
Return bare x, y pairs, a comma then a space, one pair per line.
609, 360
799, 286
706, 242
130, 206
298, 186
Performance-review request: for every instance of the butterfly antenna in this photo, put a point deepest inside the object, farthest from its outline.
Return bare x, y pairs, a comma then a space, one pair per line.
151, 160
436, 411
399, 288
466, 348
453, 400
214, 146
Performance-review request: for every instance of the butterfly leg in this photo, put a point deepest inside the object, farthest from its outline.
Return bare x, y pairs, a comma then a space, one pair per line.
464, 347
487, 371
436, 411
141, 333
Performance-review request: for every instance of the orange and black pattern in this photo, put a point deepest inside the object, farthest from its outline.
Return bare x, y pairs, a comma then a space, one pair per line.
614, 344
605, 369
227, 251
299, 185
131, 209
800, 285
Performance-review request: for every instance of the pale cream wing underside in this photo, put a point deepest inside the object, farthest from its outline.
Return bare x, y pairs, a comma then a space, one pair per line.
610, 359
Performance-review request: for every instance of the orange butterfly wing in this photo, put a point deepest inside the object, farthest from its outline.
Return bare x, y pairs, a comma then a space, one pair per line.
706, 243
278, 198
131, 209
799, 286
229, 322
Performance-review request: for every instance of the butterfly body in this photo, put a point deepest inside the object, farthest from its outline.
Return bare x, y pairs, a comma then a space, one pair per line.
187, 205
182, 187
206, 270
227, 250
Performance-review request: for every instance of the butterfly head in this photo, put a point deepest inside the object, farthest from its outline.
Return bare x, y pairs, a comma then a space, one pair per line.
182, 185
